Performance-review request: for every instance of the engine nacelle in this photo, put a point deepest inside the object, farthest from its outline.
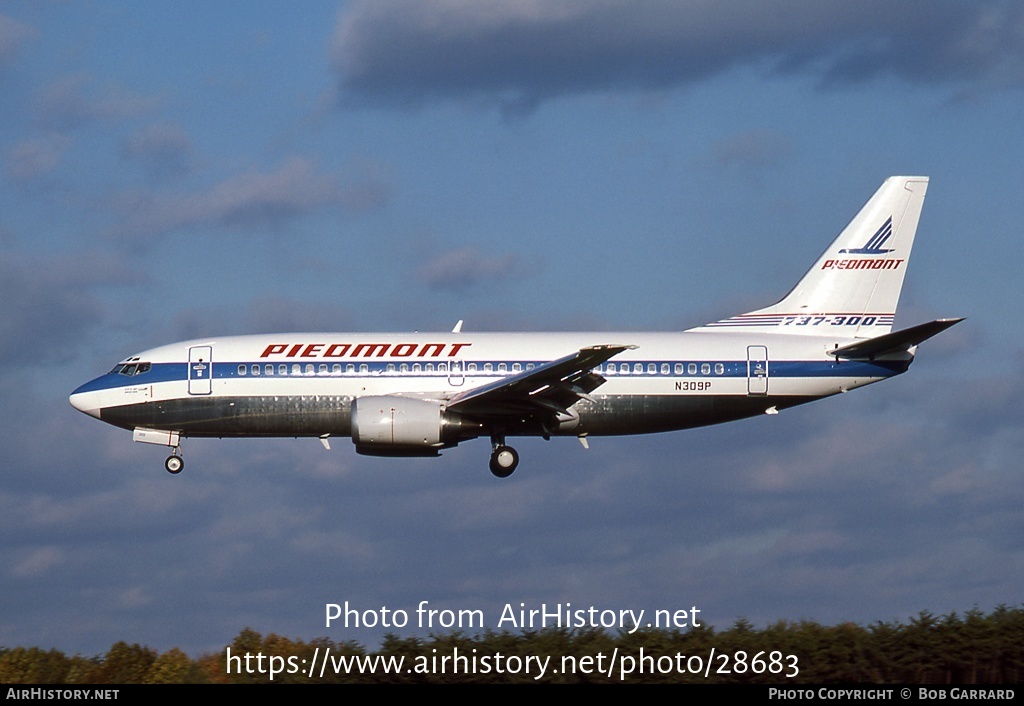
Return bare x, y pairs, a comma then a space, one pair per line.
404, 426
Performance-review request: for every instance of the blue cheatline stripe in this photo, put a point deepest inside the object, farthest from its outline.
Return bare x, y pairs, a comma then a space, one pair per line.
178, 372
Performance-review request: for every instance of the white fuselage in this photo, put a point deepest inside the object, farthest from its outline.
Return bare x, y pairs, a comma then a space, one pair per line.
303, 384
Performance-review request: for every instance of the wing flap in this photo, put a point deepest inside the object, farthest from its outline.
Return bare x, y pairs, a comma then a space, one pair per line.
552, 387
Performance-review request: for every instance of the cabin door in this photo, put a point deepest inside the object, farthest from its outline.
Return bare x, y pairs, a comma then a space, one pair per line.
200, 370
757, 370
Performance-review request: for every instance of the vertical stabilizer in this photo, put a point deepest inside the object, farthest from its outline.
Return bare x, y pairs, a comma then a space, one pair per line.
854, 287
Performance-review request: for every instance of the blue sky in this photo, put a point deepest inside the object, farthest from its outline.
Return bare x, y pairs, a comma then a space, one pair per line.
188, 169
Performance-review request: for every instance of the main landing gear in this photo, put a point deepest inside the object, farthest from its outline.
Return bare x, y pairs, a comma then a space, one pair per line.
175, 462
504, 459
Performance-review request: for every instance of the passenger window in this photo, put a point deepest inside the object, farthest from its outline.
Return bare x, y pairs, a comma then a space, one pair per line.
488, 368
652, 368
679, 368
255, 369
638, 368
611, 368
502, 368
664, 368
517, 367
350, 369
322, 370
336, 369
363, 369
416, 368
705, 368
296, 369
390, 370
691, 369
719, 368
241, 369
282, 369
270, 369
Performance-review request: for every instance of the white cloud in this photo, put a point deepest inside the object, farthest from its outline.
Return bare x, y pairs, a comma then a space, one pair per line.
13, 35
78, 99
253, 198
164, 149
465, 268
37, 157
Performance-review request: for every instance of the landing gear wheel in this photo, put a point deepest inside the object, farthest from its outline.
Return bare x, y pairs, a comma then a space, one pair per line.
174, 464
504, 460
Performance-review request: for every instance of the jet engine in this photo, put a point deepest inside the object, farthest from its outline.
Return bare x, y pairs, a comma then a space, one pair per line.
389, 425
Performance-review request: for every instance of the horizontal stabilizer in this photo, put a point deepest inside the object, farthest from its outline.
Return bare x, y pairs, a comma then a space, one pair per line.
897, 342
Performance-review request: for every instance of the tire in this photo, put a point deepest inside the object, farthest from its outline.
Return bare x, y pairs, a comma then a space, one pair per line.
504, 461
174, 464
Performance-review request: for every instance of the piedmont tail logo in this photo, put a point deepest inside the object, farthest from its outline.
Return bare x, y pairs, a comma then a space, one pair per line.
872, 247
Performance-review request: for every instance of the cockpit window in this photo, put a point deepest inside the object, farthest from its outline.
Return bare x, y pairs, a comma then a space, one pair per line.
131, 369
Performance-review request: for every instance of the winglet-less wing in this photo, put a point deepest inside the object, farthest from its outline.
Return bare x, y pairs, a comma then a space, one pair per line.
552, 387
897, 342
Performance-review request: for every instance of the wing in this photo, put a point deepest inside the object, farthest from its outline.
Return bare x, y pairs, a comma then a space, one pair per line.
547, 390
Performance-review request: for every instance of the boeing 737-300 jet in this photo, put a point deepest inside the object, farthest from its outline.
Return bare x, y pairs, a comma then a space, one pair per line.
414, 394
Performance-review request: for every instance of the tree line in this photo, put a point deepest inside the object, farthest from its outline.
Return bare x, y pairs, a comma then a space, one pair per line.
972, 648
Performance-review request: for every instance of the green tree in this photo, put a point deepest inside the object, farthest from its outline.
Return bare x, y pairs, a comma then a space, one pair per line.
31, 665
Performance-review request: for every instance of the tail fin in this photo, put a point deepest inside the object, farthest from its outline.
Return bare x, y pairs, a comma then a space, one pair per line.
853, 289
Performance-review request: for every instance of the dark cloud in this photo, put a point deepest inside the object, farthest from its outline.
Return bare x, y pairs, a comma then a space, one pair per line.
50, 305
254, 198
521, 53
753, 149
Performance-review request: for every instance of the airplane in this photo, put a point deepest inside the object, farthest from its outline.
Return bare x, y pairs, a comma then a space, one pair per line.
415, 394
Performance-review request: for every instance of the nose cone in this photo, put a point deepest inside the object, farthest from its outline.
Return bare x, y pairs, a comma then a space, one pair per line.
86, 401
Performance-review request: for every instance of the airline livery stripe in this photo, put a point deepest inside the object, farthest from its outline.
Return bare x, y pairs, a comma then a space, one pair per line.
177, 372
829, 319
